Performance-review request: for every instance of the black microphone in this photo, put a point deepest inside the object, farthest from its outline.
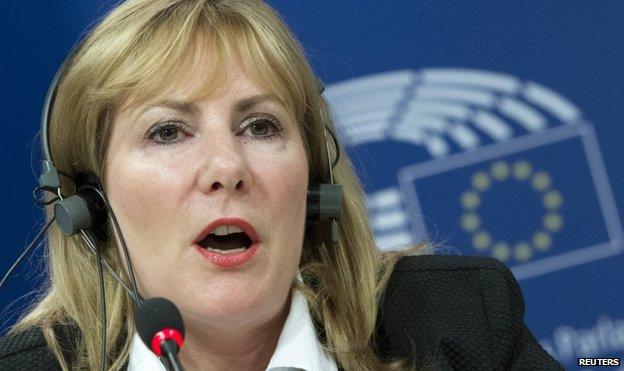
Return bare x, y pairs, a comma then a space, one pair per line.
160, 326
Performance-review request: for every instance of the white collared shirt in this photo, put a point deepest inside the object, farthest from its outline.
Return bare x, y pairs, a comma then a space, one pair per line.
297, 347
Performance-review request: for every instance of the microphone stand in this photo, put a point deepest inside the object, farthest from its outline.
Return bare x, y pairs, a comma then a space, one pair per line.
169, 357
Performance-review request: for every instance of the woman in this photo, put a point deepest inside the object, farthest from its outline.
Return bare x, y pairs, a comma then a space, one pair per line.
203, 119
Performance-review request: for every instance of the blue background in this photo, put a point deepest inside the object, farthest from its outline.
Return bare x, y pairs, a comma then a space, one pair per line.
575, 48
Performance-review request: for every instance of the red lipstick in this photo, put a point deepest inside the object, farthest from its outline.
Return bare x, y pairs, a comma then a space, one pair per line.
229, 260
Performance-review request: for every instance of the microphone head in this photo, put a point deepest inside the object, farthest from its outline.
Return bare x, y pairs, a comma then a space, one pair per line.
158, 319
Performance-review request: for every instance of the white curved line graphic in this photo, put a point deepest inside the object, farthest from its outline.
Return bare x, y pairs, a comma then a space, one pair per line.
435, 145
491, 80
423, 122
463, 95
435, 107
367, 101
455, 111
389, 220
465, 137
364, 118
382, 81
523, 114
551, 102
492, 125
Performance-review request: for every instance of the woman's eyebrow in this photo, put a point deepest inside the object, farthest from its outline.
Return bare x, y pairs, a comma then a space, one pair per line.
192, 108
248, 103
180, 106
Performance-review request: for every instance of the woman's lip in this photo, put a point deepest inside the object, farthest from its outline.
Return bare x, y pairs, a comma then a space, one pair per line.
239, 222
229, 260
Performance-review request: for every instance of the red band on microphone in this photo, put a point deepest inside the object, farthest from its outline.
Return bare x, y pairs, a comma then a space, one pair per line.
166, 334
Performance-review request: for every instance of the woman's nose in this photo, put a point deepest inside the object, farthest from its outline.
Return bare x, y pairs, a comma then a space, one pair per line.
224, 169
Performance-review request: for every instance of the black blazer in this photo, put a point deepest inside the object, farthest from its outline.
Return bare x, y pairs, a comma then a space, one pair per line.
447, 312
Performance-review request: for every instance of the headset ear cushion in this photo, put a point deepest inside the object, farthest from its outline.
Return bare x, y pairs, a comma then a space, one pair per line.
97, 211
312, 204
83, 210
330, 201
324, 202
72, 214
87, 187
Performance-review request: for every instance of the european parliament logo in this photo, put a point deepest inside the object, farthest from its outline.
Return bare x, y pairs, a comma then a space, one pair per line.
484, 162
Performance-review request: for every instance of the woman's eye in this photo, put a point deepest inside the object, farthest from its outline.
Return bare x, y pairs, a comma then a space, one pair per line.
259, 128
263, 128
166, 133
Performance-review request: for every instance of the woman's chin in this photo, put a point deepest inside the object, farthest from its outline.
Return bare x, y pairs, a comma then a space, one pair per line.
232, 300
229, 309
223, 320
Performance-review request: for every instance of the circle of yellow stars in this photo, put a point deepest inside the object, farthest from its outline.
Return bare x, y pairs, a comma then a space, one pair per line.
520, 171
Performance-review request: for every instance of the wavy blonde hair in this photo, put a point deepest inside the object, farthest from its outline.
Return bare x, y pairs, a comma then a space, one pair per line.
136, 53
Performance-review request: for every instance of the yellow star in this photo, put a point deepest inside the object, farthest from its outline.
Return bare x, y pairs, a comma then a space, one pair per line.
481, 181
553, 222
481, 240
470, 200
501, 251
542, 241
541, 181
523, 252
522, 170
552, 200
470, 222
500, 170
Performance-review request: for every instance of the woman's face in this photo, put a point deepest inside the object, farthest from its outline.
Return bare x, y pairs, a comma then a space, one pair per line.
176, 167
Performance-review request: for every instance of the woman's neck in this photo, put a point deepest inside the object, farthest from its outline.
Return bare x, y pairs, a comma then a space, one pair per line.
231, 347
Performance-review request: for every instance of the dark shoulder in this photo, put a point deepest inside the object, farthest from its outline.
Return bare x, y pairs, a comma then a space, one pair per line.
458, 310
456, 283
476, 273
450, 263
26, 350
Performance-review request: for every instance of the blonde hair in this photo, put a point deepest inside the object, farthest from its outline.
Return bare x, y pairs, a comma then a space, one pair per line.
142, 47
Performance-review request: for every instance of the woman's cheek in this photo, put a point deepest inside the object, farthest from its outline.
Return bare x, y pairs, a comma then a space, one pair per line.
145, 194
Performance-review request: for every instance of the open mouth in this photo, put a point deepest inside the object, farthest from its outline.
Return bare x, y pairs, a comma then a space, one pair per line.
230, 243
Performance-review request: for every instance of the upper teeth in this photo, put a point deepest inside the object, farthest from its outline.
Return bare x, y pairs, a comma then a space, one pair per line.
224, 230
